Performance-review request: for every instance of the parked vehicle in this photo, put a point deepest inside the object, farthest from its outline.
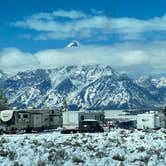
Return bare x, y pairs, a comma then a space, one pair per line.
72, 120
127, 124
28, 120
90, 125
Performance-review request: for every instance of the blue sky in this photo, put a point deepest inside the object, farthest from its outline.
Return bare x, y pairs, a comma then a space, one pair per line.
11, 11
126, 30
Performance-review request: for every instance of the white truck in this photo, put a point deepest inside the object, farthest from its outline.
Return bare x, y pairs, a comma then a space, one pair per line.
150, 120
73, 120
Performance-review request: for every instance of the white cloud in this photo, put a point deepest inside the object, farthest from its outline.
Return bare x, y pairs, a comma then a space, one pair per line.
78, 24
12, 60
72, 14
130, 57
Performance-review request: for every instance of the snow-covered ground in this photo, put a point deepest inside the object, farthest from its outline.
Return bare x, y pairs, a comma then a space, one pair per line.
117, 147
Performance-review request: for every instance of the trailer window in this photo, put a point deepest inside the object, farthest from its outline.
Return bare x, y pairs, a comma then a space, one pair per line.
51, 119
19, 116
25, 116
82, 117
92, 123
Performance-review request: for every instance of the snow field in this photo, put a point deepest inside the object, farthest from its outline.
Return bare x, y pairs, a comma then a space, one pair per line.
117, 147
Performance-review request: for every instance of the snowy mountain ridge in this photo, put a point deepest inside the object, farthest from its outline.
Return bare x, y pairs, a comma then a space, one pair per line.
83, 87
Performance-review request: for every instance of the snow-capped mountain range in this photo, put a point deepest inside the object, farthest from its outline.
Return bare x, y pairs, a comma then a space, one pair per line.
82, 87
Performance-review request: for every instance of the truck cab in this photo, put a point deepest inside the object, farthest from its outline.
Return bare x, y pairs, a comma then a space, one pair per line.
90, 125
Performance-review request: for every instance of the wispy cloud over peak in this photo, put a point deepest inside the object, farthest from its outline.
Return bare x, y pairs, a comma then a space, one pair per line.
150, 58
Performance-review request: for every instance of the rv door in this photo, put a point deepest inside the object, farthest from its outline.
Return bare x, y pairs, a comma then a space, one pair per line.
36, 120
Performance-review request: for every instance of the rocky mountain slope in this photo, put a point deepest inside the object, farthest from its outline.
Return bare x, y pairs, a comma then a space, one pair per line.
156, 87
82, 87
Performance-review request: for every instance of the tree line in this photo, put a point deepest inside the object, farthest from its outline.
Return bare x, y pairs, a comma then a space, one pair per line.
3, 101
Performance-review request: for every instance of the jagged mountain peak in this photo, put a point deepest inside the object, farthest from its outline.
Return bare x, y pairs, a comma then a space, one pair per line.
160, 82
144, 81
74, 43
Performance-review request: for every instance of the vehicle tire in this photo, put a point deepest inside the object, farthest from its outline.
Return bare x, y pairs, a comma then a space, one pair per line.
1, 131
28, 130
101, 130
64, 132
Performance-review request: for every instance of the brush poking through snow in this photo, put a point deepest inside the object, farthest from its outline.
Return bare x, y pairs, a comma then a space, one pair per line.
118, 147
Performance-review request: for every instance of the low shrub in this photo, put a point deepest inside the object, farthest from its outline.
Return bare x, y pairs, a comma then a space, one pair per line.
4, 153
77, 160
140, 149
118, 157
41, 163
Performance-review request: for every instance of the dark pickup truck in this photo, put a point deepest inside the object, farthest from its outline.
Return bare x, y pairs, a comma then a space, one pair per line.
90, 125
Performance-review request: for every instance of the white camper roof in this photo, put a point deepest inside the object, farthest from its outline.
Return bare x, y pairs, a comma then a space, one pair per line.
6, 115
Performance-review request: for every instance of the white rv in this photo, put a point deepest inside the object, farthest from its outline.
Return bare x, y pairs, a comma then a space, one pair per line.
150, 120
73, 119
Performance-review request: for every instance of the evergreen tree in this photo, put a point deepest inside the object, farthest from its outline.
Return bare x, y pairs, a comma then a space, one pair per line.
3, 101
164, 110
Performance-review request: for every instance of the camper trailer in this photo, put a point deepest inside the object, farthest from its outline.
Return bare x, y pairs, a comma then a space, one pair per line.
76, 121
150, 120
28, 120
